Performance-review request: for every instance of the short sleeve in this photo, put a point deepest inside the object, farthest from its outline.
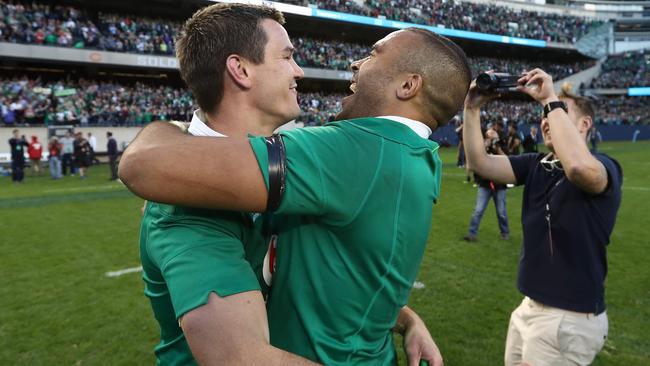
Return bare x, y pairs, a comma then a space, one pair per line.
614, 174
197, 254
318, 181
522, 165
218, 266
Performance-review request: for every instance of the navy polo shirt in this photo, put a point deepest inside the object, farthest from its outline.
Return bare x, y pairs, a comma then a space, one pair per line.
564, 258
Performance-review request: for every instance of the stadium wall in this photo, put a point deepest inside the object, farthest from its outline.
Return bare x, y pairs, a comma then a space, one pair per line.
61, 54
123, 136
447, 133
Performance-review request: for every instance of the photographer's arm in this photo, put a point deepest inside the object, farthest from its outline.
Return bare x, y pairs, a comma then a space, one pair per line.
580, 166
166, 165
493, 167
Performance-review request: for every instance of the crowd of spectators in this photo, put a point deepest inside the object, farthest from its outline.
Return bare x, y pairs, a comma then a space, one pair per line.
625, 70
623, 110
68, 27
318, 108
462, 15
90, 102
64, 26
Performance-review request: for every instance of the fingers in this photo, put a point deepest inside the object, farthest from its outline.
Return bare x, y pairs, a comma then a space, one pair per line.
414, 359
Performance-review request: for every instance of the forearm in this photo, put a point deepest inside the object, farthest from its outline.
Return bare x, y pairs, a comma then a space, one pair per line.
474, 143
493, 167
580, 166
165, 165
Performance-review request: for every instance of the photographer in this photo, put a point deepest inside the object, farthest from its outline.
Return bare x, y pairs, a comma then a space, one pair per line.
570, 201
488, 189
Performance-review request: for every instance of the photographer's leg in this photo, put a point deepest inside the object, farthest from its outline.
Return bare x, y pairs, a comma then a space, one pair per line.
502, 213
482, 199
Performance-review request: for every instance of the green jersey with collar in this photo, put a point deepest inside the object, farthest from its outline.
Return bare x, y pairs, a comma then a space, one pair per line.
352, 227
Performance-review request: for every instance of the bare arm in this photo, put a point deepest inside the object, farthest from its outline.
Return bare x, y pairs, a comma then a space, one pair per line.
580, 166
165, 165
233, 331
493, 167
418, 343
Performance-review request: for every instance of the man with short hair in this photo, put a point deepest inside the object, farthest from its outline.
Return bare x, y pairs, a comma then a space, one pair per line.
570, 201
353, 199
18, 146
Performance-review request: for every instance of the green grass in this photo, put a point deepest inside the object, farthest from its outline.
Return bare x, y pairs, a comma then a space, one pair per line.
59, 238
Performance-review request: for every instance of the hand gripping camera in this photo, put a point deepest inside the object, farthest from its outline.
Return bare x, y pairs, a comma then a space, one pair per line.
497, 82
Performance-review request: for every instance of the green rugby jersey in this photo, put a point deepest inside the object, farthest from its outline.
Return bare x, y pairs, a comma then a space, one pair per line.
352, 228
187, 253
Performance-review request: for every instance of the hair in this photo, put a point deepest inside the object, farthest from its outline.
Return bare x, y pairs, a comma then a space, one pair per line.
210, 36
445, 72
584, 105
109, 134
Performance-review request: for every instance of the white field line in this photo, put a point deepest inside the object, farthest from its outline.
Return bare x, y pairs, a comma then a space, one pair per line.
637, 188
123, 271
88, 188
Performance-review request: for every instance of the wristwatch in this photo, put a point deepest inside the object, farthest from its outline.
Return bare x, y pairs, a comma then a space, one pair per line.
553, 105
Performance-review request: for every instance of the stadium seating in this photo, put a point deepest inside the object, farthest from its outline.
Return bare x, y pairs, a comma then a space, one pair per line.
71, 27
625, 70
469, 16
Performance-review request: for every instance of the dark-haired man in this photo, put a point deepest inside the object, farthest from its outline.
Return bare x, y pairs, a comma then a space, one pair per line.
194, 263
18, 145
571, 198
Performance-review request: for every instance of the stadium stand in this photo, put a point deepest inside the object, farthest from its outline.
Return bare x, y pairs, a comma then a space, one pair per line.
629, 69
90, 102
494, 19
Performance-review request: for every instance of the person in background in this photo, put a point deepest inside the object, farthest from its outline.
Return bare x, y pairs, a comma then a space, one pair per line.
111, 148
18, 145
82, 154
67, 143
92, 140
531, 140
594, 138
54, 149
488, 189
571, 197
514, 141
35, 152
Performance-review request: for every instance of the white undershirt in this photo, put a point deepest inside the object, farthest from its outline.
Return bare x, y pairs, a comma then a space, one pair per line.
418, 127
199, 128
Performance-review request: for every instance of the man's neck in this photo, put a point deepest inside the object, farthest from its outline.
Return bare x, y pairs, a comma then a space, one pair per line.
236, 119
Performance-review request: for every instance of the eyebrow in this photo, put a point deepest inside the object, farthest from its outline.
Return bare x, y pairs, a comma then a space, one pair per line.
288, 49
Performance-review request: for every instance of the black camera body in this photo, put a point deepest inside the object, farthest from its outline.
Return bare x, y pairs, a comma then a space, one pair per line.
497, 82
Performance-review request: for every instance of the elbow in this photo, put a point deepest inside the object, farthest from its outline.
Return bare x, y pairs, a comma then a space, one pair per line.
129, 172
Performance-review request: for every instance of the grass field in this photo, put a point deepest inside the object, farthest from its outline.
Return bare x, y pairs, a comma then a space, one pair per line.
59, 238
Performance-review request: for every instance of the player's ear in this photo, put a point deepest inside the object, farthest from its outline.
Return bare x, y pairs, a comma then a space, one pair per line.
238, 69
409, 87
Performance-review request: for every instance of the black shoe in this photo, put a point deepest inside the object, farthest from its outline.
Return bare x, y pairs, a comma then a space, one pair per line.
470, 238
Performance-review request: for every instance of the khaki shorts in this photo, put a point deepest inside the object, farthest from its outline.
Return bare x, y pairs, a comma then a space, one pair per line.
543, 335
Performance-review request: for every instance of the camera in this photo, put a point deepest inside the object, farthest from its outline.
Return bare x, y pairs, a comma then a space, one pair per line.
497, 82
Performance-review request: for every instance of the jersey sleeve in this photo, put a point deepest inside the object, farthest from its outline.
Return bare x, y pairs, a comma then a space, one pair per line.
327, 172
522, 165
195, 258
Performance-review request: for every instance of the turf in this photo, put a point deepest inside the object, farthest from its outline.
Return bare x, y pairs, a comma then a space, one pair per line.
59, 238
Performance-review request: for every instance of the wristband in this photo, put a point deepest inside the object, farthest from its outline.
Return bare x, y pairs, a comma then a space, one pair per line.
554, 105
